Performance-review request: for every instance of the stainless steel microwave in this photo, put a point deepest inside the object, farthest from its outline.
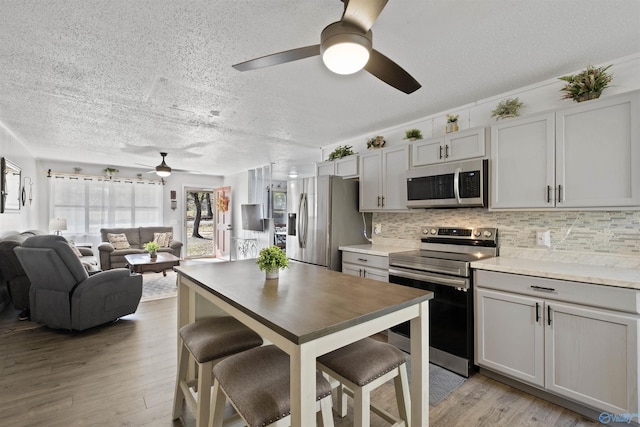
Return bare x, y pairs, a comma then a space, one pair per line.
456, 184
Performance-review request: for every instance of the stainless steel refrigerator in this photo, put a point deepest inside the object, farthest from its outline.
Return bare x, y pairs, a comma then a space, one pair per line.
322, 214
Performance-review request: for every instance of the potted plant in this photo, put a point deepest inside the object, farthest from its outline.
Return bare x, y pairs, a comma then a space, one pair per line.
588, 84
341, 151
412, 134
152, 248
376, 142
507, 108
271, 259
452, 123
110, 171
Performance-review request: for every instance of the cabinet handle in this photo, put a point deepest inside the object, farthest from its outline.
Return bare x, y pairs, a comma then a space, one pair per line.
559, 193
446, 151
378, 201
537, 312
441, 151
382, 201
359, 272
364, 273
549, 315
363, 259
541, 288
548, 194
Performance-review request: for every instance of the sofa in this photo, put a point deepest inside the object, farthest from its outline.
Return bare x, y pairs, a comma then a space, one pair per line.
110, 257
12, 275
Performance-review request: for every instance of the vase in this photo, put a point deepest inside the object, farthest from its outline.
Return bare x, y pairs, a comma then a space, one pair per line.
588, 96
452, 127
153, 255
273, 274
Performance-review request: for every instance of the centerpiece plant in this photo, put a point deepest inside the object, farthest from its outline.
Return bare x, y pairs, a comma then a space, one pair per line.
152, 248
271, 259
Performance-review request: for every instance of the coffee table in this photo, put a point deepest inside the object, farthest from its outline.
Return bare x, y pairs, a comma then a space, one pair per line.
140, 263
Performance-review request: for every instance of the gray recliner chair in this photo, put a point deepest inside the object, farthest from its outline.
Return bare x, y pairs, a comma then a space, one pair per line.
64, 296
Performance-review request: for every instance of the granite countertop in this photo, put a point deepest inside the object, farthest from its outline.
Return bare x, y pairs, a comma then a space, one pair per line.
375, 249
576, 272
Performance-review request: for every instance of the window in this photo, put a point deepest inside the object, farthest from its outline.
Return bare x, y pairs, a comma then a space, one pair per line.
91, 203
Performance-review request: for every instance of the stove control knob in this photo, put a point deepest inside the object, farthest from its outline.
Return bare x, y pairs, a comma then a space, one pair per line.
434, 231
477, 233
487, 234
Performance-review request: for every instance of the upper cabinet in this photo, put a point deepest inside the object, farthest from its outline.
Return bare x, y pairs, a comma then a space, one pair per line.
449, 147
587, 156
382, 179
346, 167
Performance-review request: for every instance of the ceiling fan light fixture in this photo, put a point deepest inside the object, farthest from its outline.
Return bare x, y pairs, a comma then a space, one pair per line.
163, 170
344, 48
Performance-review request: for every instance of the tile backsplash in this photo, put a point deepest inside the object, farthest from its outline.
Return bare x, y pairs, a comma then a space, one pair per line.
598, 232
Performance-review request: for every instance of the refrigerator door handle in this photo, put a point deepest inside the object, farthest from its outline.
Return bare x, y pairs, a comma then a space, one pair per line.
304, 220
299, 220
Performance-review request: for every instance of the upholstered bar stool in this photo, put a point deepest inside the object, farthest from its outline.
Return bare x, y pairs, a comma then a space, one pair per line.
257, 382
362, 367
208, 341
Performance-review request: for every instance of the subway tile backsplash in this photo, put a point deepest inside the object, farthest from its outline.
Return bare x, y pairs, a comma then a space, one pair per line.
597, 232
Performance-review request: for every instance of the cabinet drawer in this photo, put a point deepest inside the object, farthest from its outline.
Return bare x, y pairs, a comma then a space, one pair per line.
609, 297
376, 261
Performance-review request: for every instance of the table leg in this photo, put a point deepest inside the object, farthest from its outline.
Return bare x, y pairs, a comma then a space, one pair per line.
303, 387
420, 368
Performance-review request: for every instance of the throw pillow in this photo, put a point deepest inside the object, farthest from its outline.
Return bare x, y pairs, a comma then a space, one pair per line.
75, 250
118, 241
163, 239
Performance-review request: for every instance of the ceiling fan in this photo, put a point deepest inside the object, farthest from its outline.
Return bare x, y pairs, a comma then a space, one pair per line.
163, 170
346, 47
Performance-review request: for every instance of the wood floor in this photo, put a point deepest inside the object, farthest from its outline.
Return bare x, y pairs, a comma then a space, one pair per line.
123, 375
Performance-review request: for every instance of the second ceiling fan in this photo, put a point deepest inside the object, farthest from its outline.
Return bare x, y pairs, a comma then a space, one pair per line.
346, 47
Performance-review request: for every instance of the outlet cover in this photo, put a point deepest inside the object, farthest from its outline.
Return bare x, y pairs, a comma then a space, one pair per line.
543, 238
377, 229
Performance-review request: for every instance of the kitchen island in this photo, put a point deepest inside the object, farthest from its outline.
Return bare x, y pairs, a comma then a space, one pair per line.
310, 311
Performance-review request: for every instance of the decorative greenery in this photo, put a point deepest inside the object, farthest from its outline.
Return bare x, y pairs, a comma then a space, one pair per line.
151, 247
413, 134
77, 170
588, 84
110, 170
507, 108
341, 151
272, 258
452, 118
376, 142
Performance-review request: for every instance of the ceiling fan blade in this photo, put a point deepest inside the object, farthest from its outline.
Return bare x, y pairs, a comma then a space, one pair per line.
279, 58
363, 13
391, 73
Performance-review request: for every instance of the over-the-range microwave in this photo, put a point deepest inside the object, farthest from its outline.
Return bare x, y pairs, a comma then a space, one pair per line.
456, 184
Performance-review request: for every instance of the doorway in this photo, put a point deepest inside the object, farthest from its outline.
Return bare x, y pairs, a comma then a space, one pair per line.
223, 218
199, 223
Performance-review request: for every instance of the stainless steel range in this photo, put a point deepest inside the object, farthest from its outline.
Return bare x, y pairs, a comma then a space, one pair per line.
441, 265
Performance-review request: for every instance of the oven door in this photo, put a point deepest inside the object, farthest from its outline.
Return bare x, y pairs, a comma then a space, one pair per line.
450, 317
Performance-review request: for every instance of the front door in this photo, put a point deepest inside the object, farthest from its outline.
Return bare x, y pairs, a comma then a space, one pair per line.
223, 221
199, 222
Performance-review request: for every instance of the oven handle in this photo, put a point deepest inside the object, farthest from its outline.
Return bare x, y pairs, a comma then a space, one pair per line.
438, 280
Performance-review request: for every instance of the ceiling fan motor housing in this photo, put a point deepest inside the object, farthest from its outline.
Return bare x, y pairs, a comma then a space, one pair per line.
357, 46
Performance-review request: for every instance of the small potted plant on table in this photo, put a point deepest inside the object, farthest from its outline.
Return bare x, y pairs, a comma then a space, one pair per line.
152, 248
271, 259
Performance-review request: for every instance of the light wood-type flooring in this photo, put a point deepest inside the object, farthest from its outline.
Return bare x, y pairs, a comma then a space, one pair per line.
123, 374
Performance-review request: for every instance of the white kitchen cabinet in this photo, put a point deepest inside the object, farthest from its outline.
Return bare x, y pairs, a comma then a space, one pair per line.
374, 267
586, 156
450, 147
346, 167
586, 353
382, 179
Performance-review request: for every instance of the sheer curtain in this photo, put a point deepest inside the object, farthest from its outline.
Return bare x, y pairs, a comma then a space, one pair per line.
91, 203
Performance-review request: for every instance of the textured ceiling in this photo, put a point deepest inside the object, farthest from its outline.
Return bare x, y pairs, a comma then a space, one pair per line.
116, 81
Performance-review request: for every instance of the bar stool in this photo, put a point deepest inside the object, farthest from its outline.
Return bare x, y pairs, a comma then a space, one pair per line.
208, 341
362, 367
257, 382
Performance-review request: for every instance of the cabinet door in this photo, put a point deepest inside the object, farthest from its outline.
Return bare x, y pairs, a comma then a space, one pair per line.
592, 357
598, 153
464, 145
351, 270
522, 163
375, 274
509, 335
395, 163
325, 168
347, 167
370, 178
427, 152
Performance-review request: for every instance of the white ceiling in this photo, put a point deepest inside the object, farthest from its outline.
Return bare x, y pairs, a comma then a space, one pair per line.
113, 82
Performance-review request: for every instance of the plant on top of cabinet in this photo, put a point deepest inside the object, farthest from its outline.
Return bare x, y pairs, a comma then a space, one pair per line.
507, 108
587, 84
341, 151
452, 123
376, 142
412, 134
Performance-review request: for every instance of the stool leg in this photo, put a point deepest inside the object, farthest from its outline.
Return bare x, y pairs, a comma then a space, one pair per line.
403, 398
181, 375
342, 401
327, 412
218, 401
204, 393
361, 404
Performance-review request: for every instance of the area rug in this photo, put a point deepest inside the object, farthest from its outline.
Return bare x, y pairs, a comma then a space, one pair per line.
156, 286
442, 383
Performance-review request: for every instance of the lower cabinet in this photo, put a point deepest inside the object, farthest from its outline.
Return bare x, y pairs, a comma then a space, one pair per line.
374, 267
586, 354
